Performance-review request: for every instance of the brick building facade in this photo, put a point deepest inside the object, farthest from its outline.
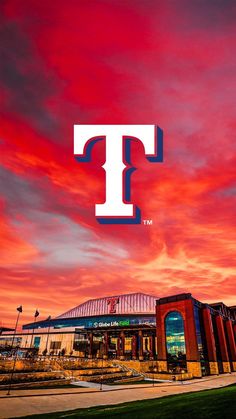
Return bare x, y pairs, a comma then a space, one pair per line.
202, 341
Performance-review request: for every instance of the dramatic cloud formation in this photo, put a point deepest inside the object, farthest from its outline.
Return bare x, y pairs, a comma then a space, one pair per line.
121, 62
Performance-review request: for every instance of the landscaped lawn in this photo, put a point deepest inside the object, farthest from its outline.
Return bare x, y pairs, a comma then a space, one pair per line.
215, 404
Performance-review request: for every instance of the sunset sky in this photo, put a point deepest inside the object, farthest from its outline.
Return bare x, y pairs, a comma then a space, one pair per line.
170, 63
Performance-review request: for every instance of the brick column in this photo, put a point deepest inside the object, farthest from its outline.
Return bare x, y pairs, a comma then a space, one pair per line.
210, 341
122, 345
234, 327
192, 353
118, 347
140, 346
161, 340
222, 344
151, 349
231, 340
90, 355
134, 347
106, 345
154, 346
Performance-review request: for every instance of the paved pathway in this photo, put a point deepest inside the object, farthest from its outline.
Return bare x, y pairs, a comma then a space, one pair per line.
29, 402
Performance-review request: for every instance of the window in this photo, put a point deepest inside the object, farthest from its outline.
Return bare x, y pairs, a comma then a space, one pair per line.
175, 339
37, 341
55, 345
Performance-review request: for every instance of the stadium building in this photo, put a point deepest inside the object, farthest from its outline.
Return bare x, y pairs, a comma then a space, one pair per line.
177, 333
104, 327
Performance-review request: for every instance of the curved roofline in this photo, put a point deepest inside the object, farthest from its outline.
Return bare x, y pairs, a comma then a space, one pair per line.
143, 314
105, 298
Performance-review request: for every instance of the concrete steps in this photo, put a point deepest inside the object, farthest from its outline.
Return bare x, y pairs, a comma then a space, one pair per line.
105, 378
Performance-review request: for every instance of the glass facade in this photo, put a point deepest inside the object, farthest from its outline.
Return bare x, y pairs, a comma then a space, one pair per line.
175, 340
200, 338
198, 328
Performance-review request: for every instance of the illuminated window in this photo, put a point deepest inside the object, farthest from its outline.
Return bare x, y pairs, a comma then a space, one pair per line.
37, 341
175, 340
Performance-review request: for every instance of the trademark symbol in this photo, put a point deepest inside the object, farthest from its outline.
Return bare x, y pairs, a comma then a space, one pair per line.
147, 222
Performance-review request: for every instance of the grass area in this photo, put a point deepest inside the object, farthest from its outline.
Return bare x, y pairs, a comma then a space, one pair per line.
206, 404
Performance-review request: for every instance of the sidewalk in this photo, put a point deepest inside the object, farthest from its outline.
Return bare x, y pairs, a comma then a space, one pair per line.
33, 401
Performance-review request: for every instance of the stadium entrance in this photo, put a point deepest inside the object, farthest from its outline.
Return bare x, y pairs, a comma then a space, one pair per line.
119, 343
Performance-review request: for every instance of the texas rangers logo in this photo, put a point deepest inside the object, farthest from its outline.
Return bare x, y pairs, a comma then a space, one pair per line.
117, 208
113, 301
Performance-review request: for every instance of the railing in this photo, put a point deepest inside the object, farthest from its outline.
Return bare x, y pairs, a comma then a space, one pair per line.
125, 368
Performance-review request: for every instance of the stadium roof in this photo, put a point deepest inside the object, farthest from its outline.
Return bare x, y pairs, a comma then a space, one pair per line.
137, 303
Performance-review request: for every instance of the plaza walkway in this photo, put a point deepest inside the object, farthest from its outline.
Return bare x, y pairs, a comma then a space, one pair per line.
29, 402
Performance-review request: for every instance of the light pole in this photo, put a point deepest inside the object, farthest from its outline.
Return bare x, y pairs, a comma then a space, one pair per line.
152, 351
48, 319
36, 314
101, 379
27, 335
153, 381
19, 309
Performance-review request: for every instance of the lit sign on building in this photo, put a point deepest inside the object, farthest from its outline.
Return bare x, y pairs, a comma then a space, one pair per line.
123, 323
112, 324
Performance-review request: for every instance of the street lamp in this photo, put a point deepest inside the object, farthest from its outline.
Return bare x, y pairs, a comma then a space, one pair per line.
19, 310
101, 377
48, 319
36, 314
